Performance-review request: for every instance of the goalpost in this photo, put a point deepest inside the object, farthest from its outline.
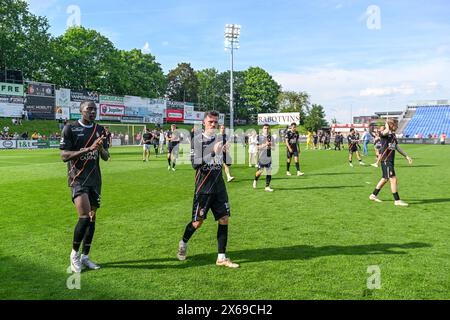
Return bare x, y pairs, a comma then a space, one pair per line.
126, 134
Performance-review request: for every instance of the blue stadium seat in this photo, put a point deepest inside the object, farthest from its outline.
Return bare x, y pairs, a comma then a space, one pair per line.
429, 120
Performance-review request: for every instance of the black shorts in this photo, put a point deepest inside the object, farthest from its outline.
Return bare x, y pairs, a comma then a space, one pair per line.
217, 202
388, 170
353, 149
262, 165
174, 149
94, 194
294, 153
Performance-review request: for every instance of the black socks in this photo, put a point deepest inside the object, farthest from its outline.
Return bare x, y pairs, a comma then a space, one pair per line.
80, 231
188, 232
222, 237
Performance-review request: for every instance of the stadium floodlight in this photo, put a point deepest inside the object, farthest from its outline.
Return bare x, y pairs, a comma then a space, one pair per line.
232, 34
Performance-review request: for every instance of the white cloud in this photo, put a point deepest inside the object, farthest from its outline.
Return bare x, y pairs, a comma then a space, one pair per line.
388, 88
404, 89
165, 43
146, 48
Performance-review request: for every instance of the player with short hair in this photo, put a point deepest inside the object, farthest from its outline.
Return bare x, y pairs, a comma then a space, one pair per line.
389, 145
82, 145
146, 142
208, 153
293, 149
353, 146
265, 146
225, 166
173, 137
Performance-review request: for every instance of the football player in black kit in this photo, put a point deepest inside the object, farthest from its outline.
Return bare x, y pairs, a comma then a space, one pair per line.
265, 145
173, 136
353, 146
82, 145
146, 142
389, 145
293, 149
208, 153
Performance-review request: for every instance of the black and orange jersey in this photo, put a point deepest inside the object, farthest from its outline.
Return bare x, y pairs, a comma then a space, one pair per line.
207, 164
388, 146
86, 169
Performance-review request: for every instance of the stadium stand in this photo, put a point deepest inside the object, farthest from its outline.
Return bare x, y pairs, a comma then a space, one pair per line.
429, 120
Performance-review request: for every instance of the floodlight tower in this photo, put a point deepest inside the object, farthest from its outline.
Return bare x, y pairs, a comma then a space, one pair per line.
232, 34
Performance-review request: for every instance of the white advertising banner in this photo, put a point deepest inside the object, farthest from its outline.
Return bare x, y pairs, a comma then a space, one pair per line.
8, 144
62, 98
27, 144
10, 110
274, 119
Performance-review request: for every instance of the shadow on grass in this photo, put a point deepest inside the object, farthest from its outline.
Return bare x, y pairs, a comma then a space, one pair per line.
337, 173
426, 201
316, 188
298, 252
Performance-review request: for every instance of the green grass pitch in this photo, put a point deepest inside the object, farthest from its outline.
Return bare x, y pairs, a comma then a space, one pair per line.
313, 238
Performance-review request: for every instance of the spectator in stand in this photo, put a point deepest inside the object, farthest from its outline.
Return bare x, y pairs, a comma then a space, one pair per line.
24, 135
420, 136
127, 139
35, 136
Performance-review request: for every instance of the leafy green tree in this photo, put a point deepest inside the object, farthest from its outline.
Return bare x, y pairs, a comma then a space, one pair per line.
315, 119
182, 84
290, 101
85, 59
261, 91
138, 74
209, 91
24, 40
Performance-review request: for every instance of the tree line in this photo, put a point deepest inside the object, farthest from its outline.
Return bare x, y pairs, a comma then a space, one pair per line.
85, 59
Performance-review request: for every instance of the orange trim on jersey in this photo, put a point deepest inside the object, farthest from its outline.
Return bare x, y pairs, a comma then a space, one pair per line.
203, 182
84, 164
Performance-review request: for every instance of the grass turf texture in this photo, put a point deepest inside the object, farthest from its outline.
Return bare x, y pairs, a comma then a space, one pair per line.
313, 238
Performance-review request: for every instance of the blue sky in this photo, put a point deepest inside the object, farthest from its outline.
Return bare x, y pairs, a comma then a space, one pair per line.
324, 47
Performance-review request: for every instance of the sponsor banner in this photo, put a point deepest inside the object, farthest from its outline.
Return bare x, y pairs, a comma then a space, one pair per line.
136, 106
221, 118
80, 96
39, 89
175, 105
350, 125
195, 117
135, 102
40, 107
112, 100
27, 144
54, 143
155, 118
43, 144
157, 106
418, 141
8, 144
12, 99
11, 89
112, 110
128, 119
10, 110
278, 118
62, 98
109, 118
174, 115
